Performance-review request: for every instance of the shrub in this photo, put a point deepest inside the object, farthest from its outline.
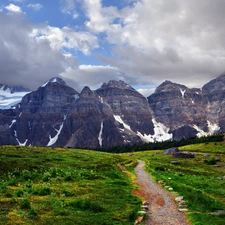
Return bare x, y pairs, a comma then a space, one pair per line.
42, 191
8, 194
32, 214
86, 204
19, 193
25, 204
159, 168
210, 161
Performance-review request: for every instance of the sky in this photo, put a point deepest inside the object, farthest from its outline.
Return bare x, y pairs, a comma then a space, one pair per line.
89, 42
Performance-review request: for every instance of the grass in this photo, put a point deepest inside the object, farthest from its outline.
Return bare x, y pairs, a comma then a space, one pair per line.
67, 186
64, 186
200, 181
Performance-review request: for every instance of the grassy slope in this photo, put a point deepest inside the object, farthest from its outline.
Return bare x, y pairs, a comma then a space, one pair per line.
193, 179
64, 186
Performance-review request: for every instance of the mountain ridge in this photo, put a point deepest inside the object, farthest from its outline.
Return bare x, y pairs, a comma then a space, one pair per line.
114, 114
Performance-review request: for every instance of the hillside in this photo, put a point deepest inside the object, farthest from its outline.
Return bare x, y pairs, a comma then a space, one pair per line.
68, 186
58, 186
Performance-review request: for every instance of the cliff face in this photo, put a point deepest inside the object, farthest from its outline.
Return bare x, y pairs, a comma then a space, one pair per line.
179, 108
214, 101
114, 114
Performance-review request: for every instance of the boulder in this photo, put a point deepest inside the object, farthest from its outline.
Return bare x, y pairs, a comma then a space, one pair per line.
171, 151
183, 155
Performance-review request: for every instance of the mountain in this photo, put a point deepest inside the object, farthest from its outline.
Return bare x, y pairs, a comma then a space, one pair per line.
10, 96
115, 114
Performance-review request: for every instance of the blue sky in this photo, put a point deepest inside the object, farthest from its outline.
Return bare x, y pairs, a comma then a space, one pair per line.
88, 42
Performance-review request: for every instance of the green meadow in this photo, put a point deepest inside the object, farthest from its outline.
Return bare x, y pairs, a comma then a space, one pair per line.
69, 186
64, 186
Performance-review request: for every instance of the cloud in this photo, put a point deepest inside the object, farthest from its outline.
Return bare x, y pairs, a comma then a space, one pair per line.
13, 8
26, 59
67, 38
93, 76
156, 40
68, 7
143, 42
35, 7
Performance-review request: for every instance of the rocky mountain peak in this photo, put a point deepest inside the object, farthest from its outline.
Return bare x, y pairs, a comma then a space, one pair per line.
57, 80
116, 84
87, 93
169, 86
216, 84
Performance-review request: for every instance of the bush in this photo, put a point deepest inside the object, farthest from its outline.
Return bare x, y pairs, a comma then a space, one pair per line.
159, 168
42, 191
25, 204
210, 161
19, 193
8, 194
32, 214
86, 204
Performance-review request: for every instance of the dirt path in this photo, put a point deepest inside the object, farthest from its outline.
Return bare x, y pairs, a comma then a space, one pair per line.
162, 207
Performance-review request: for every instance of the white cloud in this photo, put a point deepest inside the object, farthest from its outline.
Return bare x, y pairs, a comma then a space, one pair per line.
67, 38
35, 7
68, 7
13, 8
99, 18
27, 60
156, 40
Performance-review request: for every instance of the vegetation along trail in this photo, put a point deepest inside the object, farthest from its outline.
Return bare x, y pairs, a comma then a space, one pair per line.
162, 208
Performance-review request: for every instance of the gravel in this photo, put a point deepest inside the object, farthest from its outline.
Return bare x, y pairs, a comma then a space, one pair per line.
162, 207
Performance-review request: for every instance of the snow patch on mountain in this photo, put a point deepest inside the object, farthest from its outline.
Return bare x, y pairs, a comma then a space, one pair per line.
161, 133
119, 119
13, 121
22, 144
52, 140
212, 127
182, 93
100, 135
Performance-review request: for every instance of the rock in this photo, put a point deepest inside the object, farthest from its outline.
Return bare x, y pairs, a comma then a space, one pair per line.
145, 207
175, 162
145, 203
171, 151
206, 155
182, 204
219, 178
219, 212
183, 210
142, 212
183, 155
178, 199
139, 220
